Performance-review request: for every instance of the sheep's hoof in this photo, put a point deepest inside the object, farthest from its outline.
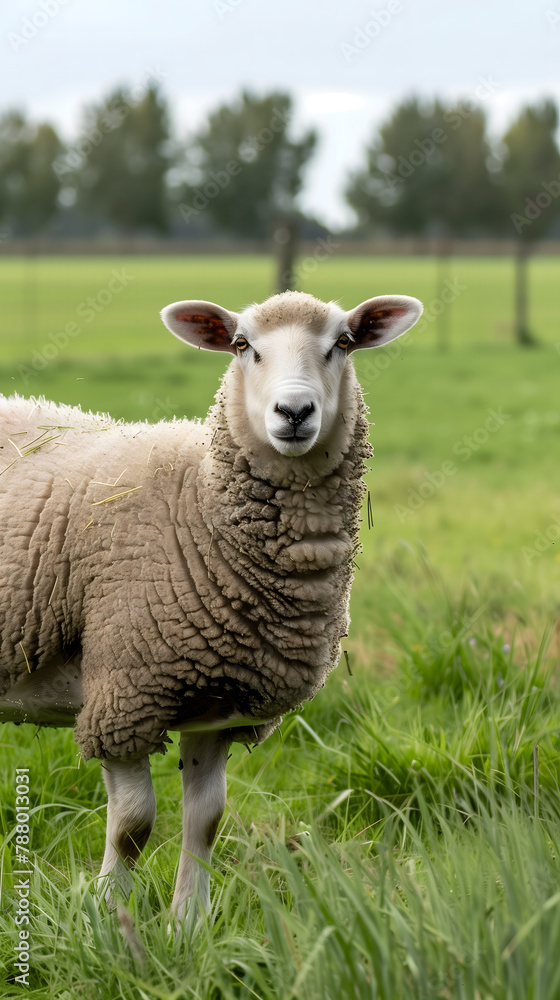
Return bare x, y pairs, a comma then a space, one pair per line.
185, 916
114, 887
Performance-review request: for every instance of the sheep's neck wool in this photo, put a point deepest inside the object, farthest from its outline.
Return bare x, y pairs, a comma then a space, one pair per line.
278, 537
192, 576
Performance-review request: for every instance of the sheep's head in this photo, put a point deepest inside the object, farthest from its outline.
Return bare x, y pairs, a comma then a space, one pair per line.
292, 351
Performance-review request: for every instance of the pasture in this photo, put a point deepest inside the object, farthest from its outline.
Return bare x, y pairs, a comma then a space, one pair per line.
399, 837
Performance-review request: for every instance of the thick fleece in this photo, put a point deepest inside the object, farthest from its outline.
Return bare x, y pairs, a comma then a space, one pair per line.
194, 577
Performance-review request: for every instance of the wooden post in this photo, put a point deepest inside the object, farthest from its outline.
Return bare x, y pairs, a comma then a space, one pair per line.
523, 335
286, 238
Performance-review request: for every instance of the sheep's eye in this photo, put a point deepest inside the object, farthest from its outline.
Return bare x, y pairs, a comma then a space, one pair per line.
241, 344
343, 341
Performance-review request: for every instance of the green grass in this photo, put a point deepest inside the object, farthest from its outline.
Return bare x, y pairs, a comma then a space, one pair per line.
388, 843
40, 296
393, 839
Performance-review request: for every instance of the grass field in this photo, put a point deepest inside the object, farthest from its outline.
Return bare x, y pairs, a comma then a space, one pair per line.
391, 840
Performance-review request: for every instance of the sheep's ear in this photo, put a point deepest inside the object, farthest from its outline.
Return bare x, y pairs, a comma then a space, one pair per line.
382, 319
202, 324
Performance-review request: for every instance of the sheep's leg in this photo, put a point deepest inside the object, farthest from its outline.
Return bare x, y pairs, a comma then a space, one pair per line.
131, 814
204, 757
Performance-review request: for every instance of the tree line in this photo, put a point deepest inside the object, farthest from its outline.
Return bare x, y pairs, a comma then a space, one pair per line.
429, 170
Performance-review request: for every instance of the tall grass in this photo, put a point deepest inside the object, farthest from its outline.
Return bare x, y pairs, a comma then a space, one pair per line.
396, 839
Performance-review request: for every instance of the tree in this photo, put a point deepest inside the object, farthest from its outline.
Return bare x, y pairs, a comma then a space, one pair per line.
427, 172
531, 180
120, 161
29, 186
244, 171
29, 190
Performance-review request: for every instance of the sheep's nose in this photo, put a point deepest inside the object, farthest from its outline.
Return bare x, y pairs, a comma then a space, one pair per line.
295, 416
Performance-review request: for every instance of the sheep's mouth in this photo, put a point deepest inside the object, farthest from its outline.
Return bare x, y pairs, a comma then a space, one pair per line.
292, 444
293, 437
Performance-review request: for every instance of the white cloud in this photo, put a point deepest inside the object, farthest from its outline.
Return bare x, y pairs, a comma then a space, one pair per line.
326, 102
432, 48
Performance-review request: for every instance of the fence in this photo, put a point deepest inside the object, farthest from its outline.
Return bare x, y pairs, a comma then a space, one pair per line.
347, 247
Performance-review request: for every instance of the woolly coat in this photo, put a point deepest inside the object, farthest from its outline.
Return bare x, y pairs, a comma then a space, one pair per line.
189, 574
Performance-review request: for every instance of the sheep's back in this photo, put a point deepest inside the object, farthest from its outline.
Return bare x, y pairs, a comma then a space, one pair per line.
60, 470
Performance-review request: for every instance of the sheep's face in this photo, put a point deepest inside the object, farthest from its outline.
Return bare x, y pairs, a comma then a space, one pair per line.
292, 351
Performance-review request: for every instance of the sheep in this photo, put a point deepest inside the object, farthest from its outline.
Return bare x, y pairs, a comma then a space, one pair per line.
189, 577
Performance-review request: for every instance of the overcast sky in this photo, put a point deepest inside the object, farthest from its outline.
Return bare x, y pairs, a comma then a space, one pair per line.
347, 62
